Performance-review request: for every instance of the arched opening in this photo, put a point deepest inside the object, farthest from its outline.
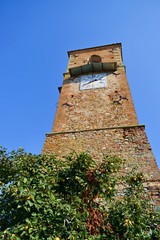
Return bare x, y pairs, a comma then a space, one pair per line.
95, 59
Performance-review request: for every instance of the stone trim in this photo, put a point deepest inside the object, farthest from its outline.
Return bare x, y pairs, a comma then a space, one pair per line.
95, 129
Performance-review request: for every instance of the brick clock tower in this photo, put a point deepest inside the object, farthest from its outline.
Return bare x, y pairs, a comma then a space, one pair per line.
96, 114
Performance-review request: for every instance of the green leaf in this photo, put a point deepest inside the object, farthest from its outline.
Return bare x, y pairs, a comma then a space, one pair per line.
30, 230
30, 203
25, 180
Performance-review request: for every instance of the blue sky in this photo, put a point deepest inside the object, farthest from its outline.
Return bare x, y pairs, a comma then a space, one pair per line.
35, 36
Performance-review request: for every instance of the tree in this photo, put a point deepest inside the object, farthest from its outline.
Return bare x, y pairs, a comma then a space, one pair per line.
43, 197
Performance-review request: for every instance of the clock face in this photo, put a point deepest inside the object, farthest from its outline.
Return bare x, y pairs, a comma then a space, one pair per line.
92, 81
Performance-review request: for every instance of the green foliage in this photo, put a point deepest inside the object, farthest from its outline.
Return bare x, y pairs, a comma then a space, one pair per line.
72, 198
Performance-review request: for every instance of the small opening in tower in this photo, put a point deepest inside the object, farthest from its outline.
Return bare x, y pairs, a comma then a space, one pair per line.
95, 59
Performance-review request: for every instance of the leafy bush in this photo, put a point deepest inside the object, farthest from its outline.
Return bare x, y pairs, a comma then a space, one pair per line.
43, 197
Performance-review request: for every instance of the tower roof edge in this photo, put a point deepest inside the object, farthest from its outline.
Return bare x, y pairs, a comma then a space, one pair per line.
92, 48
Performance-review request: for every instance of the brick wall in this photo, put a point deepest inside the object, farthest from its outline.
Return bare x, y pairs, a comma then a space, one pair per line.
96, 108
129, 143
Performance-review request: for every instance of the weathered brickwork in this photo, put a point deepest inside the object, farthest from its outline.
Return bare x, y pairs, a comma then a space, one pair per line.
96, 108
101, 121
130, 143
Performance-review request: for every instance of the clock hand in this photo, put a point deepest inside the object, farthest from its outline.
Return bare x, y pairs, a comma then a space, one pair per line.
90, 82
93, 80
